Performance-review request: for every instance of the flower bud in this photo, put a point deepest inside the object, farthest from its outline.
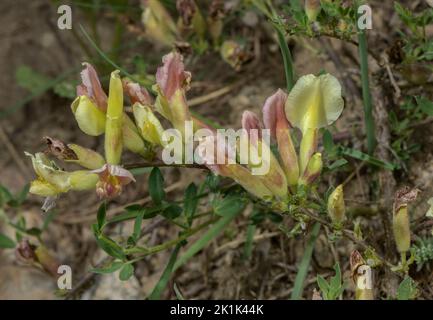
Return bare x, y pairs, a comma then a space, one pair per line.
136, 93
172, 83
400, 222
90, 118
132, 139
25, 252
336, 207
312, 9
85, 157
275, 120
91, 87
158, 23
362, 277
215, 19
113, 128
233, 53
47, 261
150, 128
313, 170
43, 188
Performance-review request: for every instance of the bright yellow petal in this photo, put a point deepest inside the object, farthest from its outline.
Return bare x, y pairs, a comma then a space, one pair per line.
90, 118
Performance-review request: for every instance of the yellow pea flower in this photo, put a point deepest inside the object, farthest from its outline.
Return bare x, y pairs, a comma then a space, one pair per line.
158, 23
336, 206
150, 127
90, 118
314, 102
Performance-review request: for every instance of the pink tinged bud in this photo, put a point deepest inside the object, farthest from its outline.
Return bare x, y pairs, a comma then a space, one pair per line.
312, 9
91, 87
240, 174
137, 93
171, 76
251, 123
401, 220
275, 120
112, 178
312, 171
114, 123
172, 83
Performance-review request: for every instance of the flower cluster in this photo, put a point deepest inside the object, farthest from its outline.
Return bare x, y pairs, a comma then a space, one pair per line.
314, 102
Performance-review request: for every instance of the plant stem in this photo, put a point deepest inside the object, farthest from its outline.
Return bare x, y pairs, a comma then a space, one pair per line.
366, 95
168, 244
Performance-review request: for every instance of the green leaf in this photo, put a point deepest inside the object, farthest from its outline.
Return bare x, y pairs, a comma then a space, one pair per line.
328, 142
134, 210
407, 289
112, 267
30, 79
425, 105
323, 286
365, 157
110, 247
190, 202
126, 272
337, 164
5, 196
228, 205
172, 212
156, 186
102, 212
6, 242
137, 226
21, 196
165, 277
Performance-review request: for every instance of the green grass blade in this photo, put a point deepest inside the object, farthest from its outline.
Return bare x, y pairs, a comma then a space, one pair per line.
366, 95
215, 230
305, 263
287, 58
165, 277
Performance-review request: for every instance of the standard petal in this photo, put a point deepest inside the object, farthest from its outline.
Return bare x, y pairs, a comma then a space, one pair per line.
314, 102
